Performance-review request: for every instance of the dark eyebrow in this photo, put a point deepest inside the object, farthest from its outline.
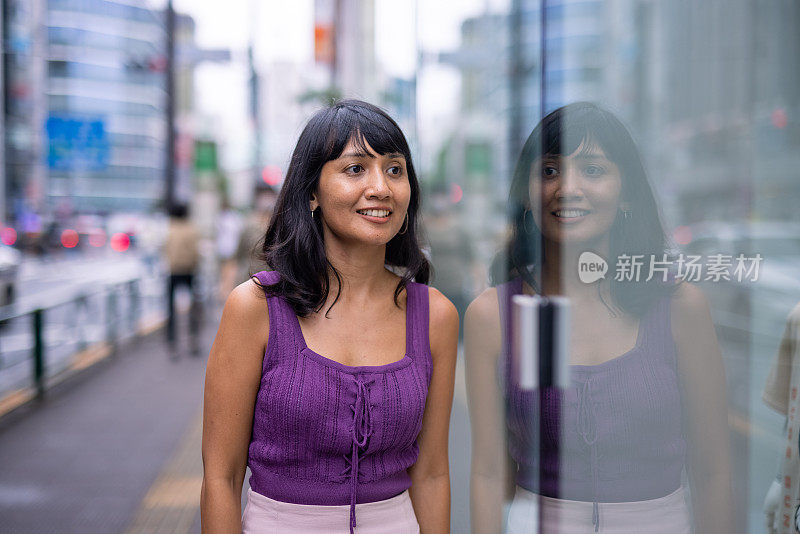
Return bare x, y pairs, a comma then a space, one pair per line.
591, 155
356, 155
395, 155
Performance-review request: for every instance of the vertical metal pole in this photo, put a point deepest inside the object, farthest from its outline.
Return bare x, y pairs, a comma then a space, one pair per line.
554, 327
111, 319
516, 72
38, 353
6, 95
169, 164
82, 316
543, 59
254, 87
525, 342
337, 21
134, 309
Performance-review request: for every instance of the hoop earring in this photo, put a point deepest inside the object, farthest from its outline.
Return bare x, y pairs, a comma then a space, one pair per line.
312, 214
404, 228
528, 229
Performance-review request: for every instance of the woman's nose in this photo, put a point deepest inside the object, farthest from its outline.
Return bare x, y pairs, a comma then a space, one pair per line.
377, 186
569, 184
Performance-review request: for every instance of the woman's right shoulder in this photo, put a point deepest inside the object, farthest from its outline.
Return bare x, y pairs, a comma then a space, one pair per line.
247, 303
484, 308
482, 321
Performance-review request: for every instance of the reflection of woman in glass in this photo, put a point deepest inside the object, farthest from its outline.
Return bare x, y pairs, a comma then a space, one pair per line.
647, 389
336, 391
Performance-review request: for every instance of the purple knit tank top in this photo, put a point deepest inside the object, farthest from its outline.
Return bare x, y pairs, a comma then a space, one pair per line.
621, 421
325, 433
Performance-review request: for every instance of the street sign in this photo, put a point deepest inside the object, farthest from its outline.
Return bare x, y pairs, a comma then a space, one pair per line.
76, 142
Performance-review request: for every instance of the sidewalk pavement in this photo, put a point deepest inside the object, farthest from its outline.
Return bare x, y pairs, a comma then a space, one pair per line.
116, 449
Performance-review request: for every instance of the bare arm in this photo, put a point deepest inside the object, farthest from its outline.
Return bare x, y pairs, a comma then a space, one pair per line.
430, 475
233, 375
490, 473
705, 405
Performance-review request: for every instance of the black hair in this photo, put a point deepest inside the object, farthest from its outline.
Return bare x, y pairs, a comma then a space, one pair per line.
561, 133
179, 211
294, 246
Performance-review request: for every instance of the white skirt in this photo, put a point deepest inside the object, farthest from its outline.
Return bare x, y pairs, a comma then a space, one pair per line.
665, 515
263, 515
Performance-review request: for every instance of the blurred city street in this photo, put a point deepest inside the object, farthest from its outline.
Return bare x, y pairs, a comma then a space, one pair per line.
114, 414
117, 448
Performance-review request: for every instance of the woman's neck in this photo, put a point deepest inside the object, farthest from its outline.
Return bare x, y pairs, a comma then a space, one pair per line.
561, 267
361, 271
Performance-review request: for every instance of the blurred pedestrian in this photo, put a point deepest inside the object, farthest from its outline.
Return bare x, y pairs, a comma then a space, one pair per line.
229, 230
451, 252
252, 235
182, 251
361, 431
782, 502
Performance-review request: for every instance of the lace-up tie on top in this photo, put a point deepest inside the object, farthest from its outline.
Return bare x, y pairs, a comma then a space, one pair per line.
325, 433
361, 430
588, 432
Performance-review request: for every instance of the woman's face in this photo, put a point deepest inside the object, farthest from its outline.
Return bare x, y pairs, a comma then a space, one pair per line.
580, 195
363, 197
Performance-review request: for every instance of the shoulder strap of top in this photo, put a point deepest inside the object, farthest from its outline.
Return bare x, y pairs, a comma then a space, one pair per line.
505, 291
267, 278
417, 319
278, 307
281, 318
656, 328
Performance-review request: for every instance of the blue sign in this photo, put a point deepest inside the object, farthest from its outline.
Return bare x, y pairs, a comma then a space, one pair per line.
76, 143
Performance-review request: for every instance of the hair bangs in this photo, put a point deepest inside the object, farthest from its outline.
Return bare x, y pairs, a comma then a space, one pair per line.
573, 134
368, 131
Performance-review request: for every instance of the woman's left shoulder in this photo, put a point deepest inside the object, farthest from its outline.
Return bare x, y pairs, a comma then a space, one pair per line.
689, 310
442, 311
442, 323
688, 298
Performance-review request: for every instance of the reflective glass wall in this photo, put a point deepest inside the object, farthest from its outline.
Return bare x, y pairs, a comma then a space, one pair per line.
673, 387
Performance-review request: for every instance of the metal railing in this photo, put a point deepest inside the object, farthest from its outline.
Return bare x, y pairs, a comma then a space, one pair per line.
110, 295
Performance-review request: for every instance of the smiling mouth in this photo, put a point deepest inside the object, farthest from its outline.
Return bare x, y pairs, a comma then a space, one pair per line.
570, 213
375, 213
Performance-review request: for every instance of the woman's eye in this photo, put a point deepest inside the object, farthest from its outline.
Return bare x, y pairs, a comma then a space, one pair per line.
354, 169
396, 170
549, 171
594, 170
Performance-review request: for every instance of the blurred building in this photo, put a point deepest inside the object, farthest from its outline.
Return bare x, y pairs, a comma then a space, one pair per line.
85, 103
695, 73
284, 112
24, 103
3, 215
356, 70
344, 35
501, 63
715, 77
106, 105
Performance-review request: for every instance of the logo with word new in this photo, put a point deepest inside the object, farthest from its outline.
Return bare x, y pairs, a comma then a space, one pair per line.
591, 267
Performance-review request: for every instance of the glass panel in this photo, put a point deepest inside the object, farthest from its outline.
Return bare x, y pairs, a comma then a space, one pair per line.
706, 97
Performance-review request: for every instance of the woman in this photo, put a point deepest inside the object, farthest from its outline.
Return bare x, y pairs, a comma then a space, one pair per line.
647, 390
342, 429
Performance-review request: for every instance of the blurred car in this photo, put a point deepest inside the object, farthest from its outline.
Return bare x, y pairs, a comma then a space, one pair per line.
10, 259
90, 231
759, 305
